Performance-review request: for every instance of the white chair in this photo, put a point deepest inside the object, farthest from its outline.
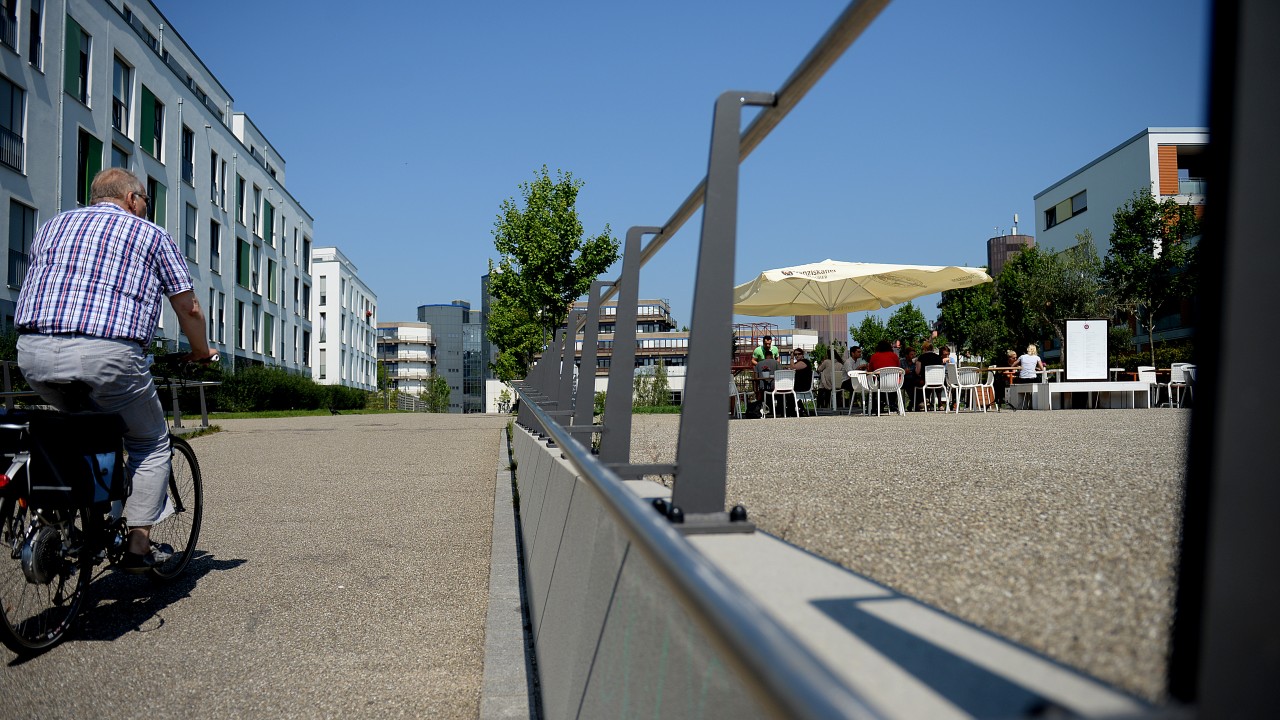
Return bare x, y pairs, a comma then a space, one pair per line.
784, 383
739, 397
889, 380
1177, 380
1147, 374
990, 392
953, 383
968, 378
861, 384
935, 378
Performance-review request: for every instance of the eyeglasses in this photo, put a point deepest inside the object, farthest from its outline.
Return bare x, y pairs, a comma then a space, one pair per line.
145, 199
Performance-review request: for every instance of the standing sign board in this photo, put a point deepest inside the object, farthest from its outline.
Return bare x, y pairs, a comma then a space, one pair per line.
1086, 350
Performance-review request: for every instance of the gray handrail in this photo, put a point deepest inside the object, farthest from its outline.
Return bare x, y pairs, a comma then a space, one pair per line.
784, 675
855, 18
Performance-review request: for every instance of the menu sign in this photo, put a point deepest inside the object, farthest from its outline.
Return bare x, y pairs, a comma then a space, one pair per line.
1086, 350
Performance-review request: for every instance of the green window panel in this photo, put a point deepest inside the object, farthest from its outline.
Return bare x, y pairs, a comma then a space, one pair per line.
267, 340
271, 280
71, 78
158, 203
243, 263
147, 131
269, 223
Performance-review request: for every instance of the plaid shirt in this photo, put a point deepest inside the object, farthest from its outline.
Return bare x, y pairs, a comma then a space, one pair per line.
100, 271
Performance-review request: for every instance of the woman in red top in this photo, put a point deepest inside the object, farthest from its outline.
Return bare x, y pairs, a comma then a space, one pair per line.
883, 357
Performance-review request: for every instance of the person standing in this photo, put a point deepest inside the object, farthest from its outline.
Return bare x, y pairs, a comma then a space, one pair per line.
766, 349
87, 312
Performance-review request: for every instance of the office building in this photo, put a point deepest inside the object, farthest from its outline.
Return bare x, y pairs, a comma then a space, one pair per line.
459, 335
1001, 250
346, 313
91, 84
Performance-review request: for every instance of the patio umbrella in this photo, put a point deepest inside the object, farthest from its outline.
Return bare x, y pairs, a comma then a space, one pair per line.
832, 286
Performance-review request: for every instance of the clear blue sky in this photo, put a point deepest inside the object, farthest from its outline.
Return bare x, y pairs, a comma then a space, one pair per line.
405, 124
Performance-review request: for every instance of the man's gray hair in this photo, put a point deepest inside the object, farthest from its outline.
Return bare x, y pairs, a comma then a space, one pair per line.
114, 183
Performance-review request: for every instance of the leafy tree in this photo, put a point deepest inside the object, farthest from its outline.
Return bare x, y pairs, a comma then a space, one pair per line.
972, 319
436, 394
869, 332
907, 323
545, 262
1039, 291
1152, 261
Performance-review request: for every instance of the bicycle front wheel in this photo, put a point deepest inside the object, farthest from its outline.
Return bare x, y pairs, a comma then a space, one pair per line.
44, 570
181, 529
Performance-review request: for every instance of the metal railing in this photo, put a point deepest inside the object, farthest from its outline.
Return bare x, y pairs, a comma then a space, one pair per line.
786, 677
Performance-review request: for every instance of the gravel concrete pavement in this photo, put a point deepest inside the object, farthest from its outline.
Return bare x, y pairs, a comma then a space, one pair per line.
1058, 530
345, 574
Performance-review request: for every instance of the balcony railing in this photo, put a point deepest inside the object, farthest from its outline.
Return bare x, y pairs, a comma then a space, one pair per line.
1191, 186
11, 146
9, 31
18, 263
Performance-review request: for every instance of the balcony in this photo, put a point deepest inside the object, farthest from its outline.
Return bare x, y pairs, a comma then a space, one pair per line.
1191, 186
11, 146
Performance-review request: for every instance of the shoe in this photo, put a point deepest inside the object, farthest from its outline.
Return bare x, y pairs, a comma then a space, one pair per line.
136, 564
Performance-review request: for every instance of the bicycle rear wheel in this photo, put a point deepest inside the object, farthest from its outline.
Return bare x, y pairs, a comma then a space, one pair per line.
45, 566
180, 530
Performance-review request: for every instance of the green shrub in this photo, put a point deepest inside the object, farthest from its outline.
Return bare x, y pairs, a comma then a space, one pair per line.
341, 397
270, 388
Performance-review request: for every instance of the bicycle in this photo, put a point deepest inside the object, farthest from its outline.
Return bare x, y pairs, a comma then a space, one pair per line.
60, 521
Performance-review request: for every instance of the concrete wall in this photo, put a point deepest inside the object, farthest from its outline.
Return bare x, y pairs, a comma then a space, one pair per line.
611, 641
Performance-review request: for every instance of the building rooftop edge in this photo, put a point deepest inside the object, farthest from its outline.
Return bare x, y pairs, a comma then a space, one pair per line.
1117, 148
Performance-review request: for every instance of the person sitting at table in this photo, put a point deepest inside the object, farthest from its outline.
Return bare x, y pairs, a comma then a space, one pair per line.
804, 371
1001, 384
946, 356
910, 378
928, 358
826, 380
766, 349
1028, 365
884, 357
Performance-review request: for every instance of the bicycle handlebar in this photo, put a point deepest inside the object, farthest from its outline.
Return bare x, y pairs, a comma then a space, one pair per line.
177, 365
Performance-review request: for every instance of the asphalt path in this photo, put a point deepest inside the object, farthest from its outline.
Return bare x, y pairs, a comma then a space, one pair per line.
343, 572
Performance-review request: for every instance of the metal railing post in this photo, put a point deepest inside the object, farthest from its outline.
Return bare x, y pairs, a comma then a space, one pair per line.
615, 441
584, 410
703, 447
565, 407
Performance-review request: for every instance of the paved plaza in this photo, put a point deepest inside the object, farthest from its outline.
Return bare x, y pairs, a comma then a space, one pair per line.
1058, 530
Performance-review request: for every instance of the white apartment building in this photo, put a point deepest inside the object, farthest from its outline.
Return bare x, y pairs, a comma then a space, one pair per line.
346, 315
89, 84
407, 352
1170, 162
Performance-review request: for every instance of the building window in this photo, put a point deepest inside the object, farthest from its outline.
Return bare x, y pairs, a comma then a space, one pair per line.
9, 23
222, 185
269, 223
1066, 209
323, 364
215, 247
222, 317
242, 263
213, 177
12, 110
268, 334
324, 328
189, 232
35, 35
152, 127
271, 280
88, 163
239, 199
306, 301
121, 94
255, 282
76, 81
322, 288
22, 228
240, 324
156, 207
212, 312
119, 157
256, 210
188, 156
306, 253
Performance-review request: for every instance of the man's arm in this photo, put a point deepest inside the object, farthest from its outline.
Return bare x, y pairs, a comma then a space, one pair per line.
192, 322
